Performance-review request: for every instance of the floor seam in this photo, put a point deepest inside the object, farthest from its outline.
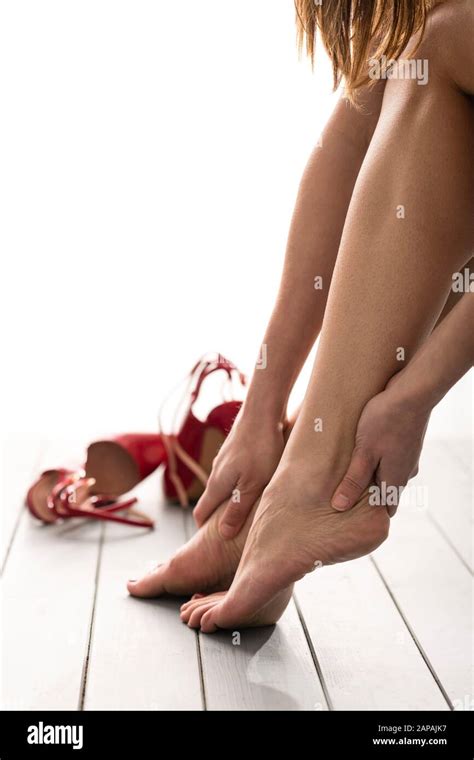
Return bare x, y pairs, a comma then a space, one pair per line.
202, 683
201, 671
18, 520
314, 656
85, 667
413, 635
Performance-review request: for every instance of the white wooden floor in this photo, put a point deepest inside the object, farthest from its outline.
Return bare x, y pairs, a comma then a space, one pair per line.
391, 631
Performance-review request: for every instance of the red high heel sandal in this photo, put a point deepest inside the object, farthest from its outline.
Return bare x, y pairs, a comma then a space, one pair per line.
119, 464
112, 468
61, 494
190, 452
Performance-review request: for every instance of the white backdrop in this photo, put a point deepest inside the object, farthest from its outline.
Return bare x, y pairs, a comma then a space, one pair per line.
150, 156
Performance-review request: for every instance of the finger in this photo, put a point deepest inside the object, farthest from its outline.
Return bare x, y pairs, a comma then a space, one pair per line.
392, 508
392, 480
216, 492
382, 486
354, 483
237, 511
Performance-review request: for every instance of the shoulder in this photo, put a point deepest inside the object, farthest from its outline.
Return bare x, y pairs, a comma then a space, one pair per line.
450, 33
451, 17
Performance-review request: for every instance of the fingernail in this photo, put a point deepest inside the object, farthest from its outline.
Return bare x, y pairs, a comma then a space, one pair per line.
340, 501
132, 580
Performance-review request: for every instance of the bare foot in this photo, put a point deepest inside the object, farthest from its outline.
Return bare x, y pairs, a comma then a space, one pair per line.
193, 611
205, 563
292, 534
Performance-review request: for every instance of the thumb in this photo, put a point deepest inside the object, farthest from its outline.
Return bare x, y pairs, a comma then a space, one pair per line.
354, 482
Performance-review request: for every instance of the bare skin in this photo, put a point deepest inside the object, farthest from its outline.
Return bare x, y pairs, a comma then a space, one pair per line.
250, 455
397, 306
391, 429
252, 452
185, 573
207, 562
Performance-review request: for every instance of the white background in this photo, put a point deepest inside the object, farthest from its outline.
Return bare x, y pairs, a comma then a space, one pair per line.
150, 157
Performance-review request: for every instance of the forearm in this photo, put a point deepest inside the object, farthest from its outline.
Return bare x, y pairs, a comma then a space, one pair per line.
323, 200
441, 361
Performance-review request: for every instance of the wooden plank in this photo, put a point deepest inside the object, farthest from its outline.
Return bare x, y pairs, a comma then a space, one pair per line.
266, 669
446, 471
367, 657
142, 656
48, 587
20, 459
433, 589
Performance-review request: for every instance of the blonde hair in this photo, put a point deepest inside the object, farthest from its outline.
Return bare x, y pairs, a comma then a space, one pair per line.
353, 30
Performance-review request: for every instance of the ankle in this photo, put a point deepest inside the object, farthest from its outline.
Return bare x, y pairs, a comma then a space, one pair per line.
315, 480
319, 468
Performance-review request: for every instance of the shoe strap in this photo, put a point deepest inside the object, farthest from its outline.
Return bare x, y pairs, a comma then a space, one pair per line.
62, 502
206, 366
176, 452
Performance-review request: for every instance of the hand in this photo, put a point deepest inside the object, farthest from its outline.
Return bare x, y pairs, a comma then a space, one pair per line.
242, 469
387, 449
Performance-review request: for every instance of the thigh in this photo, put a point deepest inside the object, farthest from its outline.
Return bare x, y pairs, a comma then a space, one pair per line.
410, 222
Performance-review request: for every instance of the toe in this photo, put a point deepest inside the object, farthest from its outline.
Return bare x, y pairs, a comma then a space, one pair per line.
196, 599
227, 612
177, 577
193, 599
188, 608
150, 585
199, 605
195, 618
186, 614
208, 624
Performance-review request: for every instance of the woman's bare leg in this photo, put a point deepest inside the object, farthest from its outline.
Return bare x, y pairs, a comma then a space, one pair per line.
207, 561
408, 229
